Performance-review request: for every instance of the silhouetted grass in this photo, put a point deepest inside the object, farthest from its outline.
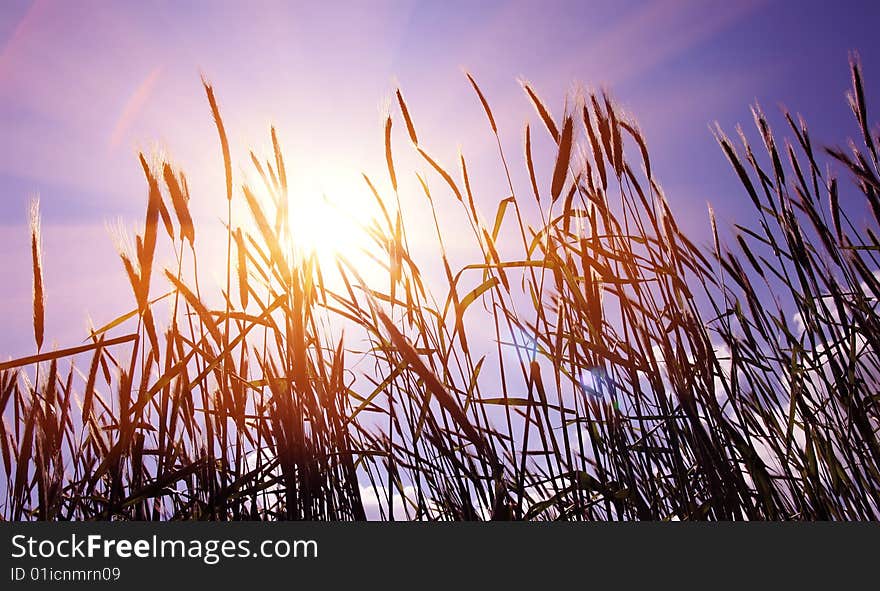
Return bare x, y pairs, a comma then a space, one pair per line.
631, 375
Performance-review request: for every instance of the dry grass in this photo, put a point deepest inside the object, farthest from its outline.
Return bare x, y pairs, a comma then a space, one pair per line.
631, 374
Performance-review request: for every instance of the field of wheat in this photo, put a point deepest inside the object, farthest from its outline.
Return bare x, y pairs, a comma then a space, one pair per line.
589, 363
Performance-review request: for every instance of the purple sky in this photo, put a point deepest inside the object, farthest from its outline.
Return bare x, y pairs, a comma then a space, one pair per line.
83, 85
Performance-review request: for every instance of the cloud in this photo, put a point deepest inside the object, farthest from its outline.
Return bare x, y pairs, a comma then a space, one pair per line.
375, 500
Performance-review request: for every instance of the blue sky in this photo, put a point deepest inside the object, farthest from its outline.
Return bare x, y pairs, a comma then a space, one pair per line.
85, 85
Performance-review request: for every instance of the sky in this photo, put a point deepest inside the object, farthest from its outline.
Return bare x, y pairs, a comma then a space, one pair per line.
85, 85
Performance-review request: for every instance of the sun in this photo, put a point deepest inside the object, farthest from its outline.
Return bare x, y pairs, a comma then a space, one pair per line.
327, 217
321, 227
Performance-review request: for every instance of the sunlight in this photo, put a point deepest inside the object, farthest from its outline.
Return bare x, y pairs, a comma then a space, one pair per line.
552, 329
327, 215
326, 226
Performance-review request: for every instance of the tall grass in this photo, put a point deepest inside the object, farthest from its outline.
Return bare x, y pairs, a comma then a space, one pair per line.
631, 374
